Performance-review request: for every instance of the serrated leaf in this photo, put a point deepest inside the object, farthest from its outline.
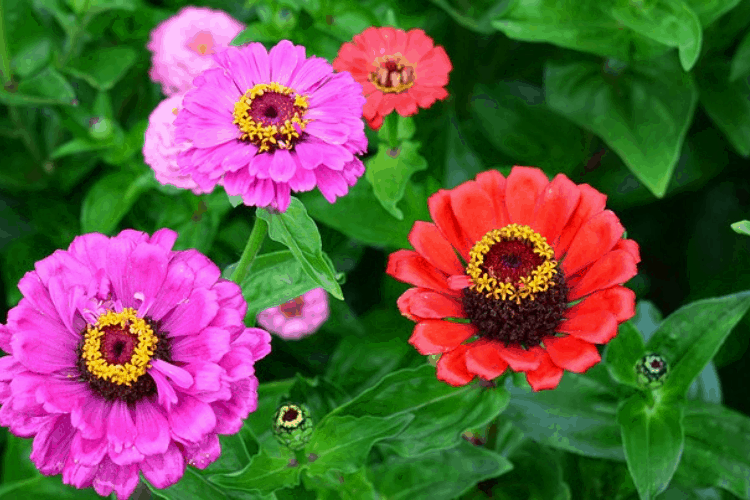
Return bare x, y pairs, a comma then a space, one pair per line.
389, 172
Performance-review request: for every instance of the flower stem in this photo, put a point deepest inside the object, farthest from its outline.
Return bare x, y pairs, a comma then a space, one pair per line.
251, 249
392, 122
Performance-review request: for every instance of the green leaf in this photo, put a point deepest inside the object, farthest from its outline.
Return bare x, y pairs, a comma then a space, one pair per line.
16, 465
669, 22
389, 172
48, 87
742, 227
196, 219
653, 438
517, 122
270, 397
692, 335
319, 395
93, 7
441, 412
43, 488
461, 162
32, 57
717, 449
477, 16
537, 474
343, 442
643, 113
268, 471
360, 215
110, 198
295, 229
105, 67
728, 105
441, 475
77, 146
623, 352
578, 416
710, 10
337, 486
707, 387
741, 60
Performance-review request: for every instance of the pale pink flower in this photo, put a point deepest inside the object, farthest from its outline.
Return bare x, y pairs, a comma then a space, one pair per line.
183, 46
298, 317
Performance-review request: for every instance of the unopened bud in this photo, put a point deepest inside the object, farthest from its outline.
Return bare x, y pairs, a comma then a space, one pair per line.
292, 426
652, 370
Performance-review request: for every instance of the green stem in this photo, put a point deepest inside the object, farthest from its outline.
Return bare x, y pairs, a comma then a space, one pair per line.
4, 59
392, 123
251, 249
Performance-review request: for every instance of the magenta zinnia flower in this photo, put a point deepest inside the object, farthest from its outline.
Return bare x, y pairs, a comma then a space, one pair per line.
182, 46
127, 357
269, 123
298, 317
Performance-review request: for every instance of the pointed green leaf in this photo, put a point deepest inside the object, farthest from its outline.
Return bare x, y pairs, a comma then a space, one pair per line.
343, 442
295, 229
105, 67
653, 438
742, 227
441, 412
623, 352
268, 471
389, 172
692, 335
537, 470
642, 113
728, 105
48, 87
110, 198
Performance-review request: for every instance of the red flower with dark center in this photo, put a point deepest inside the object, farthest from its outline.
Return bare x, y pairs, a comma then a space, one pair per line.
397, 70
540, 282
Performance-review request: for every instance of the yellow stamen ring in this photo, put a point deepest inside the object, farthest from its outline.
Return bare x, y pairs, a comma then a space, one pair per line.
120, 374
540, 278
290, 424
264, 136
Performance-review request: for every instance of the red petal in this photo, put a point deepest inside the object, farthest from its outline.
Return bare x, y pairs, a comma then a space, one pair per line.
618, 300
433, 336
493, 183
614, 268
520, 360
406, 105
590, 203
571, 353
483, 358
451, 367
555, 207
425, 96
631, 247
442, 213
375, 122
420, 303
596, 237
417, 45
547, 376
459, 281
410, 267
430, 243
524, 186
433, 68
597, 327
473, 210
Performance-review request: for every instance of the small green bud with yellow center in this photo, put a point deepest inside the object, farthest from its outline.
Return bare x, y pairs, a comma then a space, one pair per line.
652, 370
293, 426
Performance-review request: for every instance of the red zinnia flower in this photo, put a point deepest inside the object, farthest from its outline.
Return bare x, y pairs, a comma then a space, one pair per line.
541, 284
396, 69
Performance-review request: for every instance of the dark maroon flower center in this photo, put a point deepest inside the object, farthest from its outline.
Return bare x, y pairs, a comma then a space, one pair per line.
272, 108
290, 415
393, 75
118, 345
292, 308
510, 260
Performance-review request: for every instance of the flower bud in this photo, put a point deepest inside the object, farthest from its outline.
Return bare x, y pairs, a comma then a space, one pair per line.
652, 370
292, 426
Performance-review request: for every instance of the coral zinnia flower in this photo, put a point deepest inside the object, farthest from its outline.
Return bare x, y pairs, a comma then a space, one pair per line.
270, 122
298, 317
182, 46
397, 69
127, 357
541, 284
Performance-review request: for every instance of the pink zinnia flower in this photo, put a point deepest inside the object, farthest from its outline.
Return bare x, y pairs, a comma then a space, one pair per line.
160, 149
268, 123
127, 357
182, 46
298, 317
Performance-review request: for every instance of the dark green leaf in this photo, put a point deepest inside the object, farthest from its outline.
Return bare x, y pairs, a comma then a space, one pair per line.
32, 57
477, 16
461, 161
270, 396
643, 113
337, 486
710, 10
728, 105
16, 464
441, 412
43, 488
343, 442
742, 227
537, 474
692, 335
389, 172
653, 438
319, 395
623, 352
103, 68
110, 198
47, 87
77, 146
741, 60
441, 475
295, 229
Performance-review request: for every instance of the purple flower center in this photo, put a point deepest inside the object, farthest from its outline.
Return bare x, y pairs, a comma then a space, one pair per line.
272, 108
117, 346
392, 75
292, 308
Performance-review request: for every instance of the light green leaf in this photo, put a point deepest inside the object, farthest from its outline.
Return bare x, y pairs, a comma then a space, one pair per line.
742, 227
441, 475
692, 335
389, 171
48, 87
268, 471
669, 22
728, 105
105, 67
295, 229
642, 113
77, 146
337, 486
110, 198
441, 412
653, 438
623, 352
33, 56
43, 488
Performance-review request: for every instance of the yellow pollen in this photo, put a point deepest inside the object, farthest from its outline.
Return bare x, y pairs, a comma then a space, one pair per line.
264, 136
540, 278
120, 374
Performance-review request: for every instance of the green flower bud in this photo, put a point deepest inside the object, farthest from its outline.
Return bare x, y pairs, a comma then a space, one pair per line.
101, 129
652, 370
293, 426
